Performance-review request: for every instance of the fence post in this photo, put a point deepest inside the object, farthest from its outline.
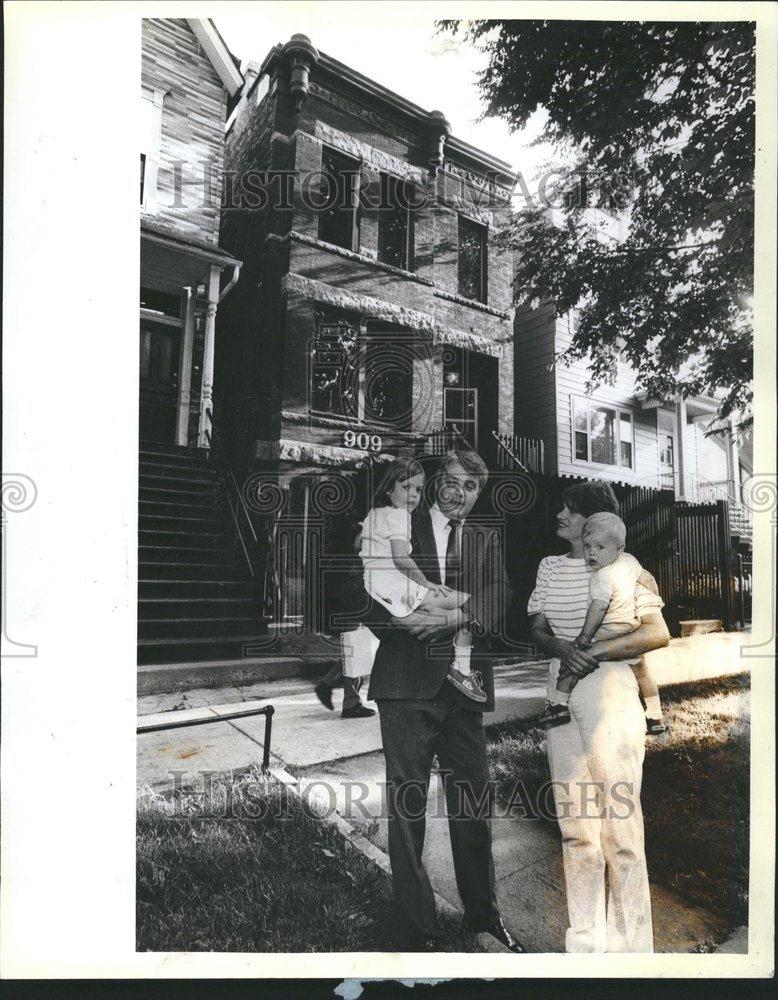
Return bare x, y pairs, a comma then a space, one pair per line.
725, 563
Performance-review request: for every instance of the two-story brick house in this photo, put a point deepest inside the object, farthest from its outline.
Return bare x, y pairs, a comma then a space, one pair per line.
372, 308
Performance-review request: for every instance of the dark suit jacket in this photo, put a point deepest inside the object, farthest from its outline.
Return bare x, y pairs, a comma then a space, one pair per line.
407, 668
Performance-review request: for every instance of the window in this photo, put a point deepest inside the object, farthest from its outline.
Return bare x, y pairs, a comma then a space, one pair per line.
335, 367
395, 223
365, 374
149, 141
338, 192
602, 435
472, 260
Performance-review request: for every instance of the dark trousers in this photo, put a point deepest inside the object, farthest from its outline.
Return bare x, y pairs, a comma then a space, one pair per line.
413, 732
351, 685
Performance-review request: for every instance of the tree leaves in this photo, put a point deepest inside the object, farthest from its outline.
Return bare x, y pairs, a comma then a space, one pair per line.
660, 121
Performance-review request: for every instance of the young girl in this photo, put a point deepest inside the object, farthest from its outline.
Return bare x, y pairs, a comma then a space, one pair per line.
392, 577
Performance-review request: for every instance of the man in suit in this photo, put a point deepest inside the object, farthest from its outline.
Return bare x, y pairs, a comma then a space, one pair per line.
422, 715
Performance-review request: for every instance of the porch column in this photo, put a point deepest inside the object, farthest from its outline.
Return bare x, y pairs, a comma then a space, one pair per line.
185, 367
733, 461
206, 391
683, 456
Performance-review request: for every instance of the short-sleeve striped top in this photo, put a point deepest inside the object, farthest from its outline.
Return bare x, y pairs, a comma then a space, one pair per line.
562, 594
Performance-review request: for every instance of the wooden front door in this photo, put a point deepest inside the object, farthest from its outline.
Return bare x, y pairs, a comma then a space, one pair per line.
159, 361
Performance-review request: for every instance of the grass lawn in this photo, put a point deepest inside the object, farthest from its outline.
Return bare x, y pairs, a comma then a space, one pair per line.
695, 790
270, 877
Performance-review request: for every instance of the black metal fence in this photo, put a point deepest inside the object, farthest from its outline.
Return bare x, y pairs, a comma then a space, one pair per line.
687, 547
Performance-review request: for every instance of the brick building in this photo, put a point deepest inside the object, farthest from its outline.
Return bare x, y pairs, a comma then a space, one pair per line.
373, 308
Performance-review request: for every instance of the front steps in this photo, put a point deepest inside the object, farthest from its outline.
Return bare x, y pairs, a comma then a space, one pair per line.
196, 599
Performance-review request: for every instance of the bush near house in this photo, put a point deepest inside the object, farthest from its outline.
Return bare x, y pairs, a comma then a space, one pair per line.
695, 792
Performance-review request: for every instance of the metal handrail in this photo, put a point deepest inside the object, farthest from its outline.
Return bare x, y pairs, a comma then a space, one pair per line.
205, 720
509, 452
219, 452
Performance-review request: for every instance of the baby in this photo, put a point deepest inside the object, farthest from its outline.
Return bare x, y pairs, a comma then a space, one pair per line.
611, 613
392, 577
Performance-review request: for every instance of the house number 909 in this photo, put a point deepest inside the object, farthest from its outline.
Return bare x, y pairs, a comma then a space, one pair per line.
367, 442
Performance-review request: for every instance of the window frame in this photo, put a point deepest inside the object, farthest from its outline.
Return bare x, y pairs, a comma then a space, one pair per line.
333, 151
463, 221
407, 260
619, 413
150, 172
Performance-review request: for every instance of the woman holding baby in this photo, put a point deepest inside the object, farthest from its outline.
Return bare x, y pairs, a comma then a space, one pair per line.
595, 633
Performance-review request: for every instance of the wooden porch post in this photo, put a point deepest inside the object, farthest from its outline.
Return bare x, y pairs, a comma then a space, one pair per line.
682, 454
206, 391
185, 367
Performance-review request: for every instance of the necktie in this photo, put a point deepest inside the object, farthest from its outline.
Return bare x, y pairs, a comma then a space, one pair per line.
453, 556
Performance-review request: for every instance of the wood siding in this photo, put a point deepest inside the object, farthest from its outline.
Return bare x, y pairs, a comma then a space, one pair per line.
193, 117
534, 389
571, 381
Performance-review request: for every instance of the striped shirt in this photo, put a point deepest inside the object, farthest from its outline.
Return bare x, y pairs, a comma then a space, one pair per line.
561, 594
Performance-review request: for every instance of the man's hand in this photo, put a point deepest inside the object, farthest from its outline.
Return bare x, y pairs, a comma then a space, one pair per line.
426, 625
575, 661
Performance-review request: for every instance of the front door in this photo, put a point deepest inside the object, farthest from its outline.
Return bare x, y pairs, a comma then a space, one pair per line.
159, 350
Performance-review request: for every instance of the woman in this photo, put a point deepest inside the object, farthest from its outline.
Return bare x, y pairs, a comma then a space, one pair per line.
596, 760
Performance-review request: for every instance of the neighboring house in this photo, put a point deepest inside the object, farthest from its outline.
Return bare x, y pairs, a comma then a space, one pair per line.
356, 330
615, 432
187, 77
198, 599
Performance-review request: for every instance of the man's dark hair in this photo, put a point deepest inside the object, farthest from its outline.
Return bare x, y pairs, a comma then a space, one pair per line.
589, 498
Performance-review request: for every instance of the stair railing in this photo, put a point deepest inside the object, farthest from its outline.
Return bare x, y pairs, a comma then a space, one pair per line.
240, 514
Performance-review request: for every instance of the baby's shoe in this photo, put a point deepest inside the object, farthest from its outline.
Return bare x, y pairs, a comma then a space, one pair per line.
656, 727
554, 714
467, 684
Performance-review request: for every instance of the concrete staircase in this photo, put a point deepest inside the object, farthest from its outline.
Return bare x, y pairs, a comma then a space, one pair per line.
196, 598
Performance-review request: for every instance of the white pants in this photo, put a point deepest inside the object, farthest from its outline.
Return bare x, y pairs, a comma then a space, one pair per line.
596, 763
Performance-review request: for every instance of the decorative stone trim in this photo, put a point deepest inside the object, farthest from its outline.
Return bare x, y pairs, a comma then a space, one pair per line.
470, 341
308, 453
376, 158
359, 258
471, 303
363, 305
309, 419
464, 207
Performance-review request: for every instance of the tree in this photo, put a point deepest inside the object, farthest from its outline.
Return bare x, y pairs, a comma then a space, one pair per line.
656, 121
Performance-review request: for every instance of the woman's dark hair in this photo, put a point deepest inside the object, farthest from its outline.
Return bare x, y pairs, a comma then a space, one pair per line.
400, 471
590, 498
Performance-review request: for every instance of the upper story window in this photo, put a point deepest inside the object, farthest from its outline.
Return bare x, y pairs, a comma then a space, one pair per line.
395, 223
150, 141
338, 193
602, 435
472, 260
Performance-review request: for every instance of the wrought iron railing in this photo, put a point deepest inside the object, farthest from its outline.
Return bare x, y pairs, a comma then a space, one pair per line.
521, 453
244, 527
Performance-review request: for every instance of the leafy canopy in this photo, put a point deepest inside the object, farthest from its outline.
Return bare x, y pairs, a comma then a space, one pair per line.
656, 125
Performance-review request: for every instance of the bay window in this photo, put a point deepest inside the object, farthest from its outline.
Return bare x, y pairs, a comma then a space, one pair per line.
602, 435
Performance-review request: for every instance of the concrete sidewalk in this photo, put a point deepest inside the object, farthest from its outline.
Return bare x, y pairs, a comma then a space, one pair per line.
343, 760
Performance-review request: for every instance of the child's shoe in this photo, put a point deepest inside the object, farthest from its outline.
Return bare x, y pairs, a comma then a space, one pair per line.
467, 684
656, 727
554, 714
